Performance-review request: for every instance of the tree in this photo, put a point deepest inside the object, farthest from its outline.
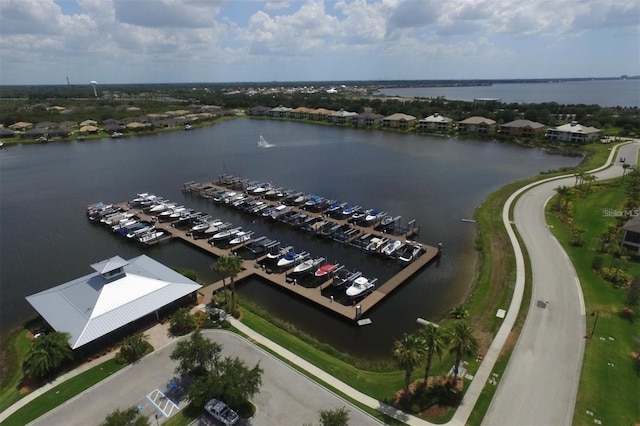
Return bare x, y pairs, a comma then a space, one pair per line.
181, 322
196, 356
407, 353
633, 292
229, 266
47, 354
129, 417
435, 342
564, 193
335, 417
459, 312
461, 343
133, 348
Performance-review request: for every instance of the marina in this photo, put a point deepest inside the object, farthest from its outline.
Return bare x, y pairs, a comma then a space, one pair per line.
349, 294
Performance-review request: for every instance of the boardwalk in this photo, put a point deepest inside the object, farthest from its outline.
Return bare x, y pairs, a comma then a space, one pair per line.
313, 294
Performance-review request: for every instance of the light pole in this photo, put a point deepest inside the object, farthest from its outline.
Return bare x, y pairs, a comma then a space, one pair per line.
596, 314
157, 423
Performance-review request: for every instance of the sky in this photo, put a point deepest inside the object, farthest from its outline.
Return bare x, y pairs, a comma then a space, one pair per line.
183, 41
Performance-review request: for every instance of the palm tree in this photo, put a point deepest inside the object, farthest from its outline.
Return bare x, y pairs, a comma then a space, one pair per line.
228, 266
459, 312
461, 342
407, 352
434, 340
589, 179
564, 192
47, 353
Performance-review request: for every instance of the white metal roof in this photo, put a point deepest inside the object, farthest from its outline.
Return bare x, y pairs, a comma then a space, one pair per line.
92, 306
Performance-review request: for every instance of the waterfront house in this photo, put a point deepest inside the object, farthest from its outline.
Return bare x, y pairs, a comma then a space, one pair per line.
259, 111
368, 119
89, 129
522, 128
399, 121
301, 113
119, 297
6, 133
342, 117
280, 111
46, 125
435, 122
21, 126
631, 238
89, 123
478, 125
574, 132
320, 114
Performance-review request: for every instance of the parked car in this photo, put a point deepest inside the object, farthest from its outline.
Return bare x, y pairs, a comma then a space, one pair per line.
221, 412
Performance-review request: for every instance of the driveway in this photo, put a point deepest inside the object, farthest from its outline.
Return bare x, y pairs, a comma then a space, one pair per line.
286, 397
540, 384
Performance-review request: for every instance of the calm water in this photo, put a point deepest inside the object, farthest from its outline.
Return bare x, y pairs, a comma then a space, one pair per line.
606, 93
47, 240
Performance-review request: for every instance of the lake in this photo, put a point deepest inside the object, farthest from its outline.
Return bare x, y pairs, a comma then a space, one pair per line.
606, 93
47, 240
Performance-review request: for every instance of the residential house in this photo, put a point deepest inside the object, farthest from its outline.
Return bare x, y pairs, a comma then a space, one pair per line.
342, 117
399, 121
631, 238
478, 125
89, 123
521, 127
21, 126
435, 123
280, 111
574, 132
368, 119
6, 133
320, 114
301, 113
259, 111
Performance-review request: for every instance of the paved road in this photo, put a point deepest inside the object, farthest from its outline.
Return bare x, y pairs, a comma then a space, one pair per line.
286, 397
540, 384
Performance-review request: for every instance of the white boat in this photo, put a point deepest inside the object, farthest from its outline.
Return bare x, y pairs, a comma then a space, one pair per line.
118, 218
279, 253
188, 127
217, 226
202, 227
262, 143
116, 135
372, 215
391, 247
150, 236
292, 258
410, 253
227, 233
308, 265
360, 287
376, 243
120, 225
140, 231
168, 212
158, 208
344, 276
241, 237
279, 211
261, 189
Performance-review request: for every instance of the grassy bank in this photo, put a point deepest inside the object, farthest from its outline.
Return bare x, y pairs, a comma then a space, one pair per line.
609, 383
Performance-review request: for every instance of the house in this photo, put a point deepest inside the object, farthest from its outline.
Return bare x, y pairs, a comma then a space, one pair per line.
478, 125
6, 133
102, 307
89, 129
88, 123
399, 121
320, 114
574, 132
21, 126
368, 119
259, 111
631, 238
435, 122
342, 116
522, 128
46, 125
301, 113
279, 111
136, 126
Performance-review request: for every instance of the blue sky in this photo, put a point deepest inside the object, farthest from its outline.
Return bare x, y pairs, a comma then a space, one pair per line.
156, 41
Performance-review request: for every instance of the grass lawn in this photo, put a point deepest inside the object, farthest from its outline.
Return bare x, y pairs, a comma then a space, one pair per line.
61, 393
609, 384
16, 347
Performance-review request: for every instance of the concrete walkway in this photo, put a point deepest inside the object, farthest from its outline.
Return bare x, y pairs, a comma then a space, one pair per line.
160, 337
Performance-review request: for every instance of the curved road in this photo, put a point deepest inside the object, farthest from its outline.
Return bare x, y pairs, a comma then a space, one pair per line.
540, 383
286, 397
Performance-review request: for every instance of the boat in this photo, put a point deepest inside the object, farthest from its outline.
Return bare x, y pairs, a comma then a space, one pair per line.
325, 269
290, 198
241, 237
150, 236
308, 265
376, 243
387, 220
291, 258
217, 226
261, 189
116, 135
203, 226
391, 247
227, 233
336, 207
140, 231
350, 210
188, 127
360, 287
262, 143
410, 253
279, 211
359, 215
277, 254
372, 215
312, 201
344, 276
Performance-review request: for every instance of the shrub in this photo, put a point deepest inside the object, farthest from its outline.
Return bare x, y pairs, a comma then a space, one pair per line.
597, 263
615, 276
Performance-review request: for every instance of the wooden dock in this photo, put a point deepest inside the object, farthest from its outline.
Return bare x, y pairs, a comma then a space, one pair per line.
313, 294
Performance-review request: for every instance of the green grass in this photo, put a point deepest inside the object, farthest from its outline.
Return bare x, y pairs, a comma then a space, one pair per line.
609, 392
62, 393
16, 347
